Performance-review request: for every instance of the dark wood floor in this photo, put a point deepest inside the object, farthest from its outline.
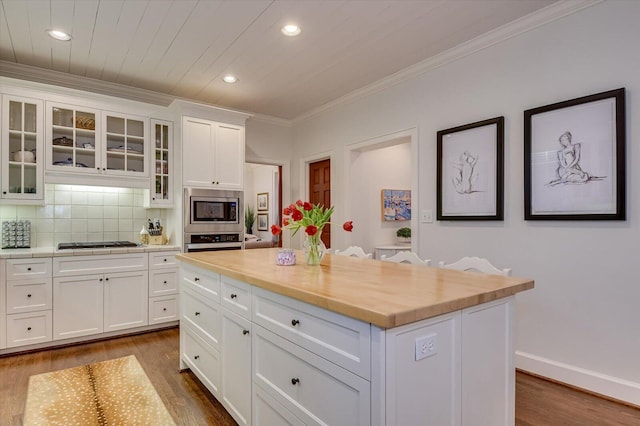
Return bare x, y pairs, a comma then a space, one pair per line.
538, 402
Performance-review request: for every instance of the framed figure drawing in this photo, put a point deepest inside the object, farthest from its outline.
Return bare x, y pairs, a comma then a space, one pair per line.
396, 204
263, 221
470, 171
574, 159
263, 201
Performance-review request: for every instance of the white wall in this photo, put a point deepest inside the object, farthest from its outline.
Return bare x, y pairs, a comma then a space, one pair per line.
581, 323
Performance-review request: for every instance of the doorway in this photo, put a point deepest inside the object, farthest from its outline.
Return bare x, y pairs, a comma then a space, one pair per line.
320, 191
263, 194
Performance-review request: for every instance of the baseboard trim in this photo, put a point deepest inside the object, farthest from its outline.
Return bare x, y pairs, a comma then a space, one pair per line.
615, 388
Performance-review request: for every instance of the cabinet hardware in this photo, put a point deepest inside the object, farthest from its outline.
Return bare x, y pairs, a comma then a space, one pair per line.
29, 295
100, 280
295, 322
28, 328
295, 381
196, 279
245, 332
164, 309
233, 295
197, 313
164, 260
29, 268
196, 357
106, 279
164, 282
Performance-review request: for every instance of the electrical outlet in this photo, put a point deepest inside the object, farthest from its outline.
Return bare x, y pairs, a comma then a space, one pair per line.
426, 346
426, 216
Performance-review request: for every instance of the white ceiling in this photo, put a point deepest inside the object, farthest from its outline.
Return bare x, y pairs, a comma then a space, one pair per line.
183, 48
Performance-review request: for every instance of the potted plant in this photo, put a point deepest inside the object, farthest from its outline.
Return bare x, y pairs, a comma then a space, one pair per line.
249, 219
403, 235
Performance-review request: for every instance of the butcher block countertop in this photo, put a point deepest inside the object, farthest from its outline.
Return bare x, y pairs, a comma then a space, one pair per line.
385, 294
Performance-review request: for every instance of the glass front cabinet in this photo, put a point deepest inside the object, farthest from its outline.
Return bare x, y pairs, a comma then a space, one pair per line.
22, 155
162, 164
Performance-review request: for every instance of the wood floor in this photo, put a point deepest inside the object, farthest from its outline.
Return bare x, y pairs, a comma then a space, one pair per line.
538, 402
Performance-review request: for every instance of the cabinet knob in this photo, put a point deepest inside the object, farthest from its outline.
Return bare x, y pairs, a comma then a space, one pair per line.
197, 313
164, 260
29, 295
164, 309
106, 279
196, 357
233, 295
4, 192
196, 279
28, 328
295, 322
295, 381
164, 282
100, 280
29, 268
245, 332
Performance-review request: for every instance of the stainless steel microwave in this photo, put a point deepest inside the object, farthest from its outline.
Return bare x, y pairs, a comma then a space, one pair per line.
210, 210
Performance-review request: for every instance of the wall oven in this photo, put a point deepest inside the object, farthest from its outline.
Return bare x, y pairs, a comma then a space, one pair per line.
213, 220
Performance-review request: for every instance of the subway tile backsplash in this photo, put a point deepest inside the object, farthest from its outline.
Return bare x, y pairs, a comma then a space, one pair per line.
84, 213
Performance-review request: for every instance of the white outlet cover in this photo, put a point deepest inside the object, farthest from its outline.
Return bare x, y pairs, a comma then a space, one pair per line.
426, 346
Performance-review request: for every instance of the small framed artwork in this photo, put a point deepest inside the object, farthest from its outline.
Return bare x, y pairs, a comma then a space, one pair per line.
263, 221
574, 159
470, 171
396, 204
263, 201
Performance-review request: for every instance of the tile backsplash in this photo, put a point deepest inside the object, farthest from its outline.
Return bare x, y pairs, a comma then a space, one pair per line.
84, 213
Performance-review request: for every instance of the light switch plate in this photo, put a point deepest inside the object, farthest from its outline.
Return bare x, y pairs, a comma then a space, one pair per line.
426, 216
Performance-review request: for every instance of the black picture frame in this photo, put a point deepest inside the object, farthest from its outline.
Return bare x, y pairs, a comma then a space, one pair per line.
470, 171
574, 159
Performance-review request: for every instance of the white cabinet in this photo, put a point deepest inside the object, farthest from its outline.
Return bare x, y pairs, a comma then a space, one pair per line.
22, 153
213, 154
27, 301
164, 287
89, 297
390, 250
161, 191
236, 366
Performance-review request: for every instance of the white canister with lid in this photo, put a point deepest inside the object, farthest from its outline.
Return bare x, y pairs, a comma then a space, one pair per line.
24, 156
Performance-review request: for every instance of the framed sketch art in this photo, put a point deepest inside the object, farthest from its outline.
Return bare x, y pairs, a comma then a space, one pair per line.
263, 221
574, 159
263, 201
470, 171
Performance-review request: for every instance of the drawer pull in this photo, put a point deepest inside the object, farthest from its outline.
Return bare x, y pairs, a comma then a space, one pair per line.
295, 322
28, 328
100, 280
196, 279
29, 295
197, 313
295, 381
29, 268
164, 282
233, 295
196, 357
245, 332
164, 260
164, 309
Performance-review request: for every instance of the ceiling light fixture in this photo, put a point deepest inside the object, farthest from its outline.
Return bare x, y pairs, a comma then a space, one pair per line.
59, 35
230, 79
291, 30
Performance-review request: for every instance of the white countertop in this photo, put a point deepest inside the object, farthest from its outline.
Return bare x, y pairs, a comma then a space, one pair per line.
54, 252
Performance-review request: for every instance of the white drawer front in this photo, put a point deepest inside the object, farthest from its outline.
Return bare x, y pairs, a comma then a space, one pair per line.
339, 339
205, 283
203, 360
164, 309
312, 388
163, 282
19, 269
28, 295
204, 317
269, 412
163, 259
28, 328
236, 296
99, 264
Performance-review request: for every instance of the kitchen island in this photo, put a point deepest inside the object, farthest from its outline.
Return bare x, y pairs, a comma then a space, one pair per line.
352, 341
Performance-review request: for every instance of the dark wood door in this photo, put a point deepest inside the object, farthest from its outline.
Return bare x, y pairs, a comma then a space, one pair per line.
320, 191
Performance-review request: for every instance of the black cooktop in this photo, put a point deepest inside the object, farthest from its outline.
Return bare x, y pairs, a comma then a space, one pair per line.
96, 244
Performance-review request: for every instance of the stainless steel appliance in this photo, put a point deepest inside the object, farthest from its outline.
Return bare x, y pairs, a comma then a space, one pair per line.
213, 220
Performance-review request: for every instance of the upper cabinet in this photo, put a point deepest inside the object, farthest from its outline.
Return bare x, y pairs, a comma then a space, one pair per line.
213, 154
22, 154
89, 141
162, 164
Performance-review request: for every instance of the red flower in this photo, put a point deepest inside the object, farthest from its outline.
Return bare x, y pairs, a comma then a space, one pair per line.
292, 207
348, 226
275, 229
296, 215
286, 211
300, 203
311, 230
307, 206
285, 222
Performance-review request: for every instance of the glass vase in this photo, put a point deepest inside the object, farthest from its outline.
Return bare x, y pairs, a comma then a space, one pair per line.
314, 249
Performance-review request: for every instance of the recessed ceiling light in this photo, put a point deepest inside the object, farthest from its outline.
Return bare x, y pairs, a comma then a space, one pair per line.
230, 78
59, 35
291, 30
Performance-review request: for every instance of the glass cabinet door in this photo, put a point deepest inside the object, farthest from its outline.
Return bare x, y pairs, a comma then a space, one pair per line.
72, 137
125, 144
162, 132
22, 154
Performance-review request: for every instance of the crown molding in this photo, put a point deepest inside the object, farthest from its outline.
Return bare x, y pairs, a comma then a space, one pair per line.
527, 23
269, 119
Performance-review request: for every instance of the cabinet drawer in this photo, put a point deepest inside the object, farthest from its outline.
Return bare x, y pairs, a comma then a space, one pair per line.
340, 339
269, 412
203, 360
28, 295
236, 296
28, 328
312, 388
163, 282
163, 259
164, 309
203, 317
99, 264
205, 283
20, 269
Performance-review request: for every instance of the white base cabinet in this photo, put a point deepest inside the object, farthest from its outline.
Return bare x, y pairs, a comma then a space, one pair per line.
305, 365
